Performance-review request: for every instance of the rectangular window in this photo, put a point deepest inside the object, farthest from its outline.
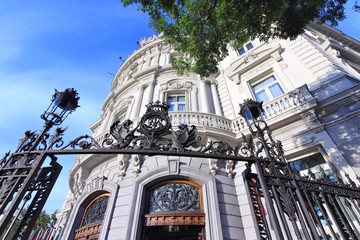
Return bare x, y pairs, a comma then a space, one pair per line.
316, 163
267, 90
245, 48
176, 102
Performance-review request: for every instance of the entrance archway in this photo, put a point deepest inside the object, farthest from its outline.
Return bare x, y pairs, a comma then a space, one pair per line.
91, 222
174, 211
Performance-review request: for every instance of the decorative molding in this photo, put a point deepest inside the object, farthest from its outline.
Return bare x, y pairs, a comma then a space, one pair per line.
213, 164
88, 232
136, 164
79, 182
146, 41
123, 165
123, 103
310, 118
176, 85
151, 220
174, 166
96, 184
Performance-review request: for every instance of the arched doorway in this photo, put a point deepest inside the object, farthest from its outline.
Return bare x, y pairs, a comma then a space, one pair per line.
91, 222
174, 212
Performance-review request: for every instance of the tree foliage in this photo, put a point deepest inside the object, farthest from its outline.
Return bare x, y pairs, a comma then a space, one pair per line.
44, 221
200, 30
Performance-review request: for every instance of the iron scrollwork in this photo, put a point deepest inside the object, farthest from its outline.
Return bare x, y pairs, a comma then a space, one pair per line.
174, 197
154, 132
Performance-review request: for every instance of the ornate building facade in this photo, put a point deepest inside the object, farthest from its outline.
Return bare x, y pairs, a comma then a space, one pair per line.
310, 89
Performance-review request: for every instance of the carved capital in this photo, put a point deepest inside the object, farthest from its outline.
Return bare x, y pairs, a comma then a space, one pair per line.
230, 165
213, 166
123, 165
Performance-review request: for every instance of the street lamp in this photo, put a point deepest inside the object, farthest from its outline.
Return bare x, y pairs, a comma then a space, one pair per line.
62, 104
253, 113
22, 171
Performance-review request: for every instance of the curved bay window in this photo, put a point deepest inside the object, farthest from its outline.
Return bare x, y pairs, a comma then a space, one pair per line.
92, 219
174, 212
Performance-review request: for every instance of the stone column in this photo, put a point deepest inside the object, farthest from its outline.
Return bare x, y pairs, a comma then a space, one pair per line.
205, 100
148, 94
216, 99
137, 102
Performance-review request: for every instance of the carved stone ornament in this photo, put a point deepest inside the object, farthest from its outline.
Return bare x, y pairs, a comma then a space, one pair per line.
79, 183
230, 165
213, 164
136, 164
250, 56
174, 196
145, 41
176, 85
123, 165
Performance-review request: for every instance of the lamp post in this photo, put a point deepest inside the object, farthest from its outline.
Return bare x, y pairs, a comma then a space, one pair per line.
21, 171
253, 114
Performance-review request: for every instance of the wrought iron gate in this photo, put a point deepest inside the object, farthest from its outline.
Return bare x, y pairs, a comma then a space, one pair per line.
305, 207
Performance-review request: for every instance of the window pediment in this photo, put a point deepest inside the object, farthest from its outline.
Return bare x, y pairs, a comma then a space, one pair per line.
252, 59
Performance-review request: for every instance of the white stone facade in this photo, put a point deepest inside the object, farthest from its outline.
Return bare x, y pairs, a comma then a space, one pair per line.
318, 113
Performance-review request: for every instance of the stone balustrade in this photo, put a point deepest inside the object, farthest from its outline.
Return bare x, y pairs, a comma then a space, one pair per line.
280, 105
200, 120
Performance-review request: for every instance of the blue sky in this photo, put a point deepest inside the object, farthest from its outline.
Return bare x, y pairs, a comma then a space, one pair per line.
60, 44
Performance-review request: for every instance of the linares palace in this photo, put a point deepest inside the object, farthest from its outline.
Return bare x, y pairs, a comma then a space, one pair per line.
310, 89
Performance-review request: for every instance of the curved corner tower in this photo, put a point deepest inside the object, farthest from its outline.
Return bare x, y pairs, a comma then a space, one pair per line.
132, 196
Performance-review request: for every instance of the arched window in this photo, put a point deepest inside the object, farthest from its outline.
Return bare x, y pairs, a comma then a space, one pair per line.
91, 222
174, 211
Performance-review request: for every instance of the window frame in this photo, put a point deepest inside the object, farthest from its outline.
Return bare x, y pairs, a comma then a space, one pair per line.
326, 165
266, 88
177, 103
245, 49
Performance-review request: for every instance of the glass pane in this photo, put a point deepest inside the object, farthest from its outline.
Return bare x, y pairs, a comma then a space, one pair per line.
249, 46
181, 98
264, 83
262, 96
241, 51
171, 99
181, 107
276, 90
96, 211
310, 161
171, 109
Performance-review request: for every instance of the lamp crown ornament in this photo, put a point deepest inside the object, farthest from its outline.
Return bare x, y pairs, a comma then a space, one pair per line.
62, 104
157, 107
249, 106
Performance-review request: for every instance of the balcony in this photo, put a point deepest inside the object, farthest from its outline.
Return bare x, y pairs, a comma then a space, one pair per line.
296, 101
290, 103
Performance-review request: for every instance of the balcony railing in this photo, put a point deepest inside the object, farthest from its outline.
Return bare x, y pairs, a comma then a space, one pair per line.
280, 105
200, 120
189, 118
